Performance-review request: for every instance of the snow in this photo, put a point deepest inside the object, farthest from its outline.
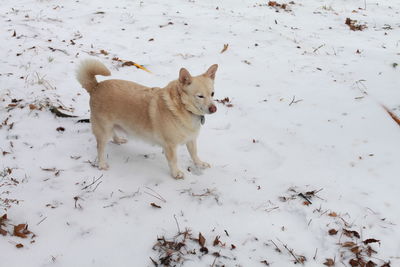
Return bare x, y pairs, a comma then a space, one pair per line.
306, 116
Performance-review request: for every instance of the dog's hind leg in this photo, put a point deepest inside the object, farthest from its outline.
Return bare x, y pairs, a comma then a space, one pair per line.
103, 135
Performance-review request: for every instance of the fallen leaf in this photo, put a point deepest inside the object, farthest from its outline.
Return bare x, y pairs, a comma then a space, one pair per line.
204, 250
216, 254
19, 245
394, 116
216, 241
332, 232
225, 48
350, 233
355, 250
32, 106
202, 240
329, 262
60, 129
348, 244
370, 264
104, 52
370, 240
332, 214
155, 205
354, 262
21, 230
265, 262
131, 63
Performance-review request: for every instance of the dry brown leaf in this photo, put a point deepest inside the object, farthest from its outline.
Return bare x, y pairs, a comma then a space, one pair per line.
265, 262
354, 262
32, 106
225, 48
355, 250
216, 241
332, 232
394, 117
348, 244
332, 214
350, 233
354, 26
19, 245
370, 240
202, 240
370, 264
21, 230
104, 52
155, 205
329, 262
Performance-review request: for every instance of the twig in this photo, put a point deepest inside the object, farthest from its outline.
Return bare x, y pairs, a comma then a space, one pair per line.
277, 248
97, 186
177, 224
154, 262
158, 196
291, 253
92, 183
315, 255
41, 220
316, 49
303, 196
294, 102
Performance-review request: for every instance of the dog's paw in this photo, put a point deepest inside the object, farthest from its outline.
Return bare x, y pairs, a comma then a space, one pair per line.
178, 174
103, 166
119, 140
202, 164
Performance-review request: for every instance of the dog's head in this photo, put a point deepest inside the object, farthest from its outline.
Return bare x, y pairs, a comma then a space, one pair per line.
198, 91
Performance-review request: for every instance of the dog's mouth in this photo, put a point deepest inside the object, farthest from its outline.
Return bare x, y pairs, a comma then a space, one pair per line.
207, 110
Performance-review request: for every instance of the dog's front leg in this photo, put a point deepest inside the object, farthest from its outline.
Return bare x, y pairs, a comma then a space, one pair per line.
192, 148
170, 154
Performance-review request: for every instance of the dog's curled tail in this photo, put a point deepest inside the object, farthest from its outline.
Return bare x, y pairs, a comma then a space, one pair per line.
87, 71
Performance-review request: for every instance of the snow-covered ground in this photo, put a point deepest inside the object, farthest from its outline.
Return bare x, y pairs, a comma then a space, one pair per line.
302, 149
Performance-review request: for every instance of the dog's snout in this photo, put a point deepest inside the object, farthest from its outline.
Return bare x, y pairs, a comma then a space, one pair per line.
212, 109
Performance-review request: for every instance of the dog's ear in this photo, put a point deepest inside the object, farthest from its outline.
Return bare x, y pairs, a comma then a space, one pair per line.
210, 73
184, 77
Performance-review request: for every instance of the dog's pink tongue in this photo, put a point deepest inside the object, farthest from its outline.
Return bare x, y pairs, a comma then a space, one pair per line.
212, 109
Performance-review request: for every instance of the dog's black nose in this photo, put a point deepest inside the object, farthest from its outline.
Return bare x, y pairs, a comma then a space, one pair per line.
212, 109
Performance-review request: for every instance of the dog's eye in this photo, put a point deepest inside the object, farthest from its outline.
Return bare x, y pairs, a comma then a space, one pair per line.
200, 96
212, 94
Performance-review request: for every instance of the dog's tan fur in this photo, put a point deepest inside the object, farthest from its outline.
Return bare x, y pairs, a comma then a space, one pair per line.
167, 116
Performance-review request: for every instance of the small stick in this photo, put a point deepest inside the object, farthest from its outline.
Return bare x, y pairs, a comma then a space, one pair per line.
291, 253
94, 181
41, 220
316, 49
97, 186
277, 248
315, 255
306, 198
177, 224
294, 102
158, 195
